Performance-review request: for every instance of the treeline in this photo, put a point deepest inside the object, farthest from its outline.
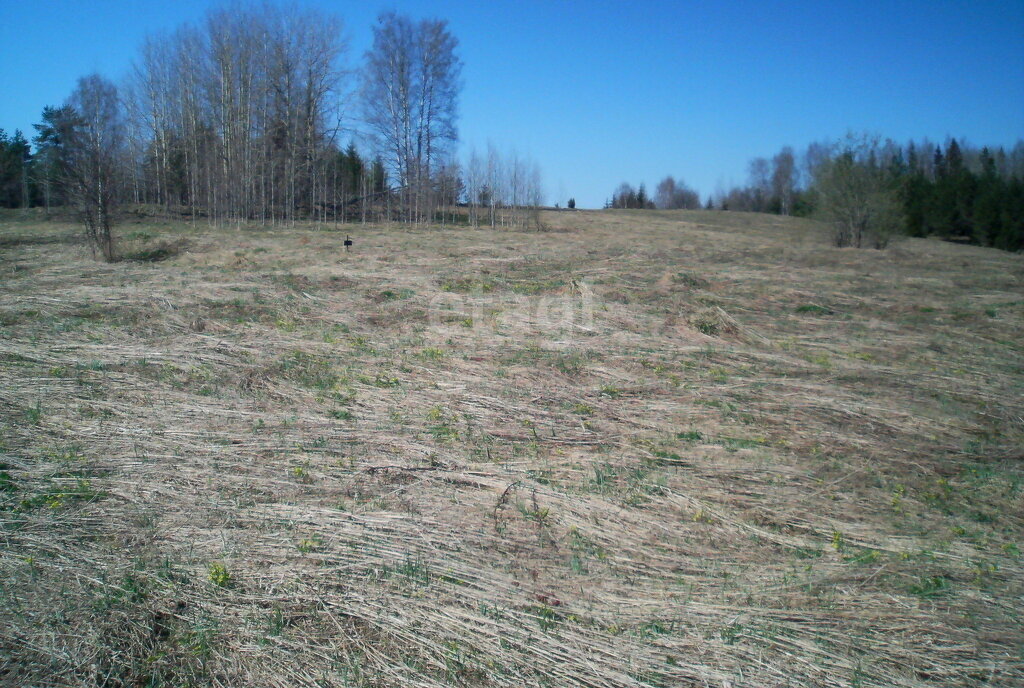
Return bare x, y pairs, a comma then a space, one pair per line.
234, 118
668, 195
981, 201
871, 190
628, 197
953, 191
775, 185
243, 118
16, 187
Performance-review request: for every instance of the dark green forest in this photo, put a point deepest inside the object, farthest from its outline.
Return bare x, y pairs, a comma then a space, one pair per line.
954, 201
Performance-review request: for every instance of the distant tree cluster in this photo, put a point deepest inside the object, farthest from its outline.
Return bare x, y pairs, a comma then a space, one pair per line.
502, 189
975, 196
673, 195
670, 194
628, 197
15, 162
871, 189
773, 186
240, 118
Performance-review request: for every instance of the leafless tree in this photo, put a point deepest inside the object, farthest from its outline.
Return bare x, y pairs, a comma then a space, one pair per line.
410, 93
670, 194
855, 196
760, 183
817, 152
504, 189
784, 179
94, 157
475, 186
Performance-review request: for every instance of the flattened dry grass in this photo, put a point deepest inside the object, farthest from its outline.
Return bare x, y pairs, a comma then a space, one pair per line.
645, 449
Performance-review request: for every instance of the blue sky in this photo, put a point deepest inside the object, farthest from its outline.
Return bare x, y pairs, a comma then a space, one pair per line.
604, 92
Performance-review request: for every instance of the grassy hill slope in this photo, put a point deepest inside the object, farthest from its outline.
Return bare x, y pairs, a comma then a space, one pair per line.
639, 449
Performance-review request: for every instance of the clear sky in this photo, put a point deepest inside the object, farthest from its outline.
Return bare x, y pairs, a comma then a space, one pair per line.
603, 92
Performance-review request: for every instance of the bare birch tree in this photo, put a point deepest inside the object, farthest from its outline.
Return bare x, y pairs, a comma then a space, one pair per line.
760, 183
784, 179
672, 195
410, 93
94, 157
503, 189
238, 116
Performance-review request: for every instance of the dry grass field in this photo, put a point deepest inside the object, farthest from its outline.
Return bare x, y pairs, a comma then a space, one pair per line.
638, 449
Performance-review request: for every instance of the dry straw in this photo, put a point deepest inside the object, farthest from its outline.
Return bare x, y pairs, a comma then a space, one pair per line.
266, 461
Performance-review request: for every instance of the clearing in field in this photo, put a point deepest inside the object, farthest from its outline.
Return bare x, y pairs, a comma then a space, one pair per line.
638, 449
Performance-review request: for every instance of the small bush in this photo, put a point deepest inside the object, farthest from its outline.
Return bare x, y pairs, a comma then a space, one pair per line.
706, 323
815, 309
219, 575
164, 250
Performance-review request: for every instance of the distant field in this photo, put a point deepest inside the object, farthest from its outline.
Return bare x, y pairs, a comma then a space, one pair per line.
639, 449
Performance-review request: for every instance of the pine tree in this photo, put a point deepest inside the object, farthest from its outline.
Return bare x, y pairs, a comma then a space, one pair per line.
961, 186
51, 159
915, 192
352, 170
939, 164
8, 172
15, 161
378, 176
1011, 235
988, 207
940, 202
954, 158
913, 165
